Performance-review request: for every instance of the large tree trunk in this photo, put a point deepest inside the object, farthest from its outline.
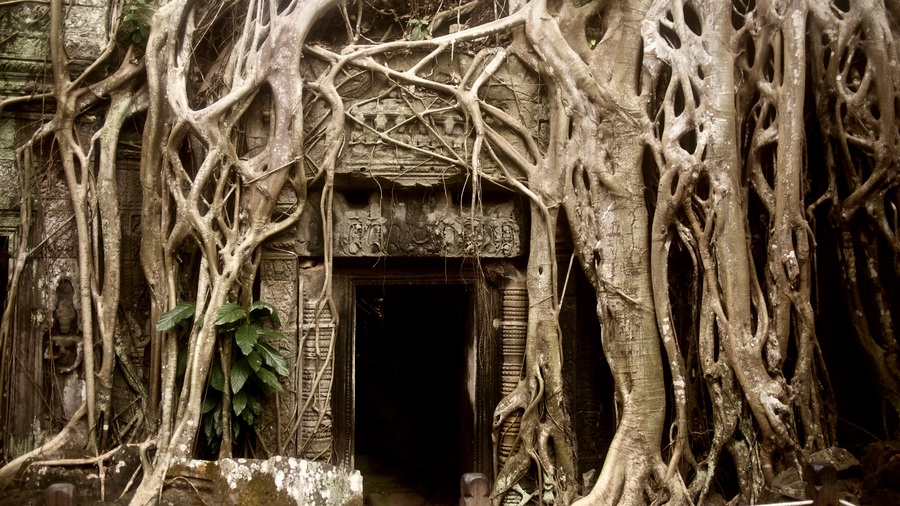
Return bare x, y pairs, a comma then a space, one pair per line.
597, 149
611, 227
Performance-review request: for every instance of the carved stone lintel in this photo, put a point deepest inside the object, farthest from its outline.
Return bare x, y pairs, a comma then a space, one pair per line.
419, 227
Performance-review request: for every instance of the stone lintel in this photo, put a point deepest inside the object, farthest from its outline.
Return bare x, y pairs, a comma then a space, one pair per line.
377, 224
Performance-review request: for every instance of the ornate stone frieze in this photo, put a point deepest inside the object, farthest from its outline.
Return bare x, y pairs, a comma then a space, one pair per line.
316, 439
376, 225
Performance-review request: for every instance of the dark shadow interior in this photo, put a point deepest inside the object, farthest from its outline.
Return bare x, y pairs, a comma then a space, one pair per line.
4, 268
409, 389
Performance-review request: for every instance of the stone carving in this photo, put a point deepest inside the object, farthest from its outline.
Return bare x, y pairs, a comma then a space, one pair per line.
305, 406
474, 490
317, 371
128, 183
64, 345
278, 286
413, 137
399, 138
419, 227
513, 329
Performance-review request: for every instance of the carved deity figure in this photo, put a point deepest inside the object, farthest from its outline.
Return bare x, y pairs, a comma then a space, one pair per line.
64, 345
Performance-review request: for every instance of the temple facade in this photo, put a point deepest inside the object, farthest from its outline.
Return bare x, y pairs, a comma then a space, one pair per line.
427, 332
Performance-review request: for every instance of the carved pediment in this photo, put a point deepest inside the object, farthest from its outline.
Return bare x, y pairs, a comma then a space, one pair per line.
406, 141
409, 136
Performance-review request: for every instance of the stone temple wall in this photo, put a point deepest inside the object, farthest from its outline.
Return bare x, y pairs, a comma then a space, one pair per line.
42, 392
400, 192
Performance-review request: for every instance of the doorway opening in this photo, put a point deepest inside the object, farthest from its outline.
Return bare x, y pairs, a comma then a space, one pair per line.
413, 418
4, 268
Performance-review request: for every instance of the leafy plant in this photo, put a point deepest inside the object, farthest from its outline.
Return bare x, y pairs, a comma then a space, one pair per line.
137, 18
254, 370
419, 29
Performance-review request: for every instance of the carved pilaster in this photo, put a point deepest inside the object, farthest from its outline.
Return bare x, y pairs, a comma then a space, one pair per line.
513, 330
317, 374
278, 286
302, 424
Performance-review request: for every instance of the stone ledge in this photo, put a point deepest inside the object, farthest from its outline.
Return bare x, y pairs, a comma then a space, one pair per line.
278, 481
274, 482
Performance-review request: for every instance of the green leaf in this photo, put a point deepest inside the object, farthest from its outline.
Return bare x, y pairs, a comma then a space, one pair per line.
216, 377
209, 404
269, 379
266, 389
270, 334
217, 422
209, 428
254, 404
246, 337
240, 371
239, 402
180, 363
248, 417
254, 360
172, 317
272, 358
260, 306
229, 313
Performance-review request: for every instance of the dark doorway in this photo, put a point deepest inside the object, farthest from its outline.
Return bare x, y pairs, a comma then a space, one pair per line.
410, 396
4, 268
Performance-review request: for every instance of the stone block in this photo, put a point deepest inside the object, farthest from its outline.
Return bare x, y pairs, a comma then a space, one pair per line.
274, 482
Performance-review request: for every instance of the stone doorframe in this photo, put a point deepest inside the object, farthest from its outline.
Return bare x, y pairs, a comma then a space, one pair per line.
326, 429
481, 357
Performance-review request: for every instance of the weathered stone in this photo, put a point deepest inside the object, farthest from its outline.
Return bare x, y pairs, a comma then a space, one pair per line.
474, 490
23, 52
372, 224
841, 459
88, 484
401, 140
274, 482
788, 485
61, 494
